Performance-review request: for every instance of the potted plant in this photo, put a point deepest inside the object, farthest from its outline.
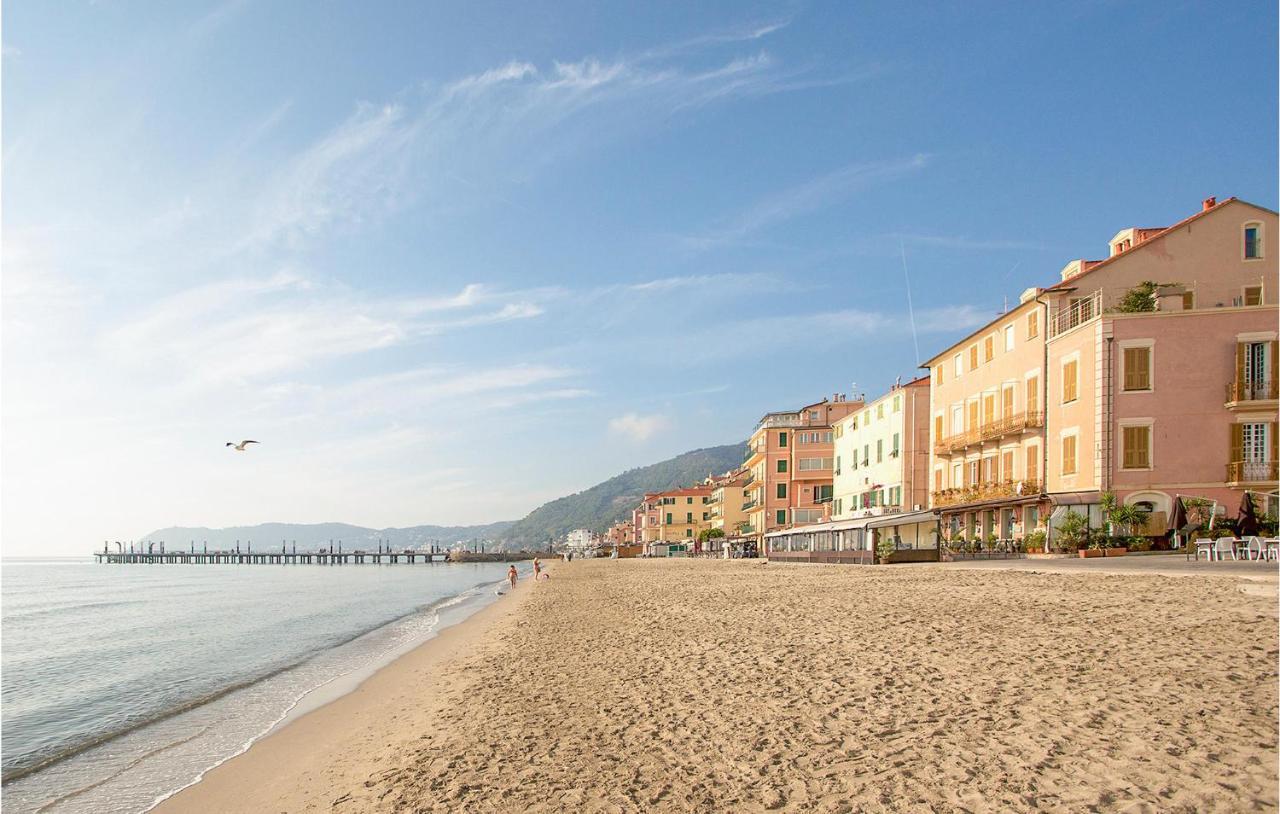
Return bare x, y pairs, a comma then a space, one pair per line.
885, 549
1034, 542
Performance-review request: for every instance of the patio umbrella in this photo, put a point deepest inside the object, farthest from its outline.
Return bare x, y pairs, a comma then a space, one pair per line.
1248, 521
1178, 517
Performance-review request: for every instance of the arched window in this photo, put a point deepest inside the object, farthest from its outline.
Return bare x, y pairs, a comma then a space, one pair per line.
1253, 244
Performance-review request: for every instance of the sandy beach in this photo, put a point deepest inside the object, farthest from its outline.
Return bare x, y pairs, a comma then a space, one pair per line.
735, 686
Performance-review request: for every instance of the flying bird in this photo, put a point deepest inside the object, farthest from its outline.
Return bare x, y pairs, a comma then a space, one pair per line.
240, 446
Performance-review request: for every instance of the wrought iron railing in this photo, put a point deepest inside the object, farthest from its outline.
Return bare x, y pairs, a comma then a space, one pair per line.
1251, 471
1075, 314
1252, 391
992, 430
985, 491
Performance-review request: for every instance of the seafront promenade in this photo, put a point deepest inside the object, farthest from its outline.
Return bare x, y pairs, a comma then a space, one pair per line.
700, 685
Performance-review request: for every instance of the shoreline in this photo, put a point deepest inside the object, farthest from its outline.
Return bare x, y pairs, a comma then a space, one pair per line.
320, 728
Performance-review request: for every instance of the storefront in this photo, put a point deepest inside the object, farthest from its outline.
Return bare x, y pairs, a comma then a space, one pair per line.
915, 535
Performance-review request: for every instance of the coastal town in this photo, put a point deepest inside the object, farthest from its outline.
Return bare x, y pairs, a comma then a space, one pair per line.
1135, 393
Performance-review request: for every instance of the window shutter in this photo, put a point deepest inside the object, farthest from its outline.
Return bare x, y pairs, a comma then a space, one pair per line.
1237, 443
1241, 355
1271, 435
1137, 369
1006, 407
1272, 347
937, 427
1033, 463
1033, 395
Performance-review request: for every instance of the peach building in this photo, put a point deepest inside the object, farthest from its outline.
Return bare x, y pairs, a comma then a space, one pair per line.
882, 455
1150, 373
791, 463
645, 527
987, 426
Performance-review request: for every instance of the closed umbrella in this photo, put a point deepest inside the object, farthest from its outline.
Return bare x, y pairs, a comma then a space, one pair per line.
1248, 521
1178, 519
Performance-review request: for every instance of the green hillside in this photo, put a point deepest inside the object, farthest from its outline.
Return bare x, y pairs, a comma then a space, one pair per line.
608, 502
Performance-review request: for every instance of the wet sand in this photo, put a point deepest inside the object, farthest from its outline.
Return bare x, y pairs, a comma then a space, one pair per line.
735, 686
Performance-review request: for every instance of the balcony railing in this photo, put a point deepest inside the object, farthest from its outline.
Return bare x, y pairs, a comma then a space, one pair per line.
992, 430
749, 505
780, 420
1251, 471
985, 491
1252, 391
1075, 314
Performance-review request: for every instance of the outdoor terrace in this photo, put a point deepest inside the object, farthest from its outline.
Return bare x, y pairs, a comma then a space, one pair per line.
984, 491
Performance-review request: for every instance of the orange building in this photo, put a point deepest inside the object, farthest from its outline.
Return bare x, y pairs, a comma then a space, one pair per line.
790, 463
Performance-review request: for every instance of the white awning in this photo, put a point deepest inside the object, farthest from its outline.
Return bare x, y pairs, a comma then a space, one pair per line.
835, 525
904, 519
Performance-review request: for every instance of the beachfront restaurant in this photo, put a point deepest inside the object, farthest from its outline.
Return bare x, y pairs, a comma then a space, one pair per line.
915, 536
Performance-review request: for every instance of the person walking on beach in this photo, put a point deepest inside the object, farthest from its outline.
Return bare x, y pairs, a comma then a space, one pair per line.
511, 575
537, 569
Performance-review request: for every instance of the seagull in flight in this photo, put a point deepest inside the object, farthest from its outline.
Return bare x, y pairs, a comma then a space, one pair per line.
240, 446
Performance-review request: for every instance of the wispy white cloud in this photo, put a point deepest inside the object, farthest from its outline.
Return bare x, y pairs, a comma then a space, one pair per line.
964, 243
805, 198
638, 427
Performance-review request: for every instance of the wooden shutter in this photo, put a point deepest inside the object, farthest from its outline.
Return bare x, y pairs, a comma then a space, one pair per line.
1273, 441
937, 428
1068, 454
937, 480
988, 409
1007, 466
1137, 368
1242, 354
1069, 381
1272, 348
1137, 447
1033, 394
1033, 463
1006, 406
973, 415
1237, 444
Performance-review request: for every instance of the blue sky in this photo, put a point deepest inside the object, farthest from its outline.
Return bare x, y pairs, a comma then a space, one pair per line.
447, 262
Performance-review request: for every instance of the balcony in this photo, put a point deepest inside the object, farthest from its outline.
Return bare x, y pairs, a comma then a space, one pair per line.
1075, 314
985, 491
1242, 472
991, 431
749, 505
780, 420
1250, 393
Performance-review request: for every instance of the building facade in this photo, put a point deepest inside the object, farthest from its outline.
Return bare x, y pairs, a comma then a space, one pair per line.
790, 463
882, 455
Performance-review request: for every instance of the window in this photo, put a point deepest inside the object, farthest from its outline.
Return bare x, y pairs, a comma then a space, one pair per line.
989, 408
973, 415
1253, 241
1008, 338
973, 473
1253, 295
988, 348
937, 375
782, 465
879, 450
1136, 447
989, 469
880, 410
1188, 300
837, 464
1137, 369
973, 357
1070, 385
1068, 454
957, 420
957, 476
781, 517
688, 500
1032, 469
811, 464
896, 444
822, 493
897, 404
688, 532
866, 454
1006, 401
688, 517
937, 427
1033, 394
782, 439
937, 480
782, 491
839, 505
668, 518
1033, 325
1006, 465
957, 366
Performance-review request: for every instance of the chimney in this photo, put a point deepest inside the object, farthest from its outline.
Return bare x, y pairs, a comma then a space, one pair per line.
1209, 203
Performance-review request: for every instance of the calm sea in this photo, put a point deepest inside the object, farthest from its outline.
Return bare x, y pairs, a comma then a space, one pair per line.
124, 683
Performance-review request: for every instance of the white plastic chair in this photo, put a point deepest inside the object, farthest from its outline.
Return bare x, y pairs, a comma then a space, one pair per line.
1225, 545
1205, 545
1271, 548
1254, 549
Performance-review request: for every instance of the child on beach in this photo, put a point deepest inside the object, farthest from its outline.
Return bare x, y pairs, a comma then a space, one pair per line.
511, 575
537, 569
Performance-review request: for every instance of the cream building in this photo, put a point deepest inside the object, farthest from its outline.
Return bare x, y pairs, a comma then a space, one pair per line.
882, 455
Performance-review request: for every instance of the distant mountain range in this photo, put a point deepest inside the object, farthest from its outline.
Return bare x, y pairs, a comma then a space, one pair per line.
595, 508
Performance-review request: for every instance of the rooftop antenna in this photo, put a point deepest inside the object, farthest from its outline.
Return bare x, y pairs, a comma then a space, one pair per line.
910, 309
